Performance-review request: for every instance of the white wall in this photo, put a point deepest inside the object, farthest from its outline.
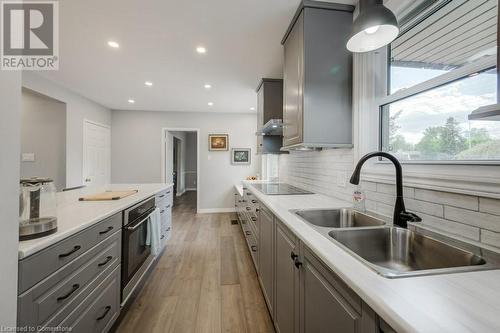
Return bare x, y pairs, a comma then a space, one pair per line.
191, 158
43, 132
78, 108
137, 150
10, 110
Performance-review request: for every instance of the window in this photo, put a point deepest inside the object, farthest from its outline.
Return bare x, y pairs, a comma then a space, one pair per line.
441, 68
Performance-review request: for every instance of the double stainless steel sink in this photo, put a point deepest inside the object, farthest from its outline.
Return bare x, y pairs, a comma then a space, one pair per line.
396, 252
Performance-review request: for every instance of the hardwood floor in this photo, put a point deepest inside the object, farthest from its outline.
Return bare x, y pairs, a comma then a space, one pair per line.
204, 282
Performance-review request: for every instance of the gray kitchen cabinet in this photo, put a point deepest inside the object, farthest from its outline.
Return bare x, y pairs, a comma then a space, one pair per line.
266, 256
327, 304
317, 109
286, 280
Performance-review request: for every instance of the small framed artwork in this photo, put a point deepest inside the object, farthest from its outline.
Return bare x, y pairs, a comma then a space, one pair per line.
218, 142
240, 156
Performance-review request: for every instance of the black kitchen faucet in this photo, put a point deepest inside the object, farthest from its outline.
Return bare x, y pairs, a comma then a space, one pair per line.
401, 216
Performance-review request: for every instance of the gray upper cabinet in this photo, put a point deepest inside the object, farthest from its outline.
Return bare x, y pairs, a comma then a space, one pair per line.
317, 109
269, 109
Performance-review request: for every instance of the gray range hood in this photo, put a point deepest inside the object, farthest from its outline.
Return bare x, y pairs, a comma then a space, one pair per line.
488, 112
272, 127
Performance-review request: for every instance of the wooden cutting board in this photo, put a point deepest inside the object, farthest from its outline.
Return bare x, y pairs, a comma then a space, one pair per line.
108, 195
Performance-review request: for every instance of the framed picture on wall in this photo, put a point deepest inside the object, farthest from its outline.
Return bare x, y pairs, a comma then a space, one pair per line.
218, 142
241, 156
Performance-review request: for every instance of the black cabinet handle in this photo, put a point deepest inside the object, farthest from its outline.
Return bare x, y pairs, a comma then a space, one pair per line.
105, 231
257, 210
162, 196
248, 233
162, 236
73, 289
108, 259
163, 211
254, 201
295, 258
76, 248
248, 193
254, 219
168, 229
254, 248
101, 317
249, 208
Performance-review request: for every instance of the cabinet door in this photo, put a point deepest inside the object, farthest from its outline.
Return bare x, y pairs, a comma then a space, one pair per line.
260, 117
287, 282
323, 304
266, 256
293, 85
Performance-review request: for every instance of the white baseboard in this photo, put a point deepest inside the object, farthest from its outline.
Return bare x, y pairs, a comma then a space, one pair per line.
216, 210
180, 193
191, 189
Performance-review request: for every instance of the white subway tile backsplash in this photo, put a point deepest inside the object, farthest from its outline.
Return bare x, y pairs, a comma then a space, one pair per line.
450, 199
490, 238
481, 220
451, 227
424, 207
464, 216
488, 205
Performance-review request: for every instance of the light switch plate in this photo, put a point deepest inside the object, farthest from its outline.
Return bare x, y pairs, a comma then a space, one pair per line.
28, 157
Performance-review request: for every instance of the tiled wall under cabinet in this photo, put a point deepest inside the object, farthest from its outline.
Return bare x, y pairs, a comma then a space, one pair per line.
473, 218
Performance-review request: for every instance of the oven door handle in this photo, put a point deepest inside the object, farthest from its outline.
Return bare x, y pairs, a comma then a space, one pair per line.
135, 227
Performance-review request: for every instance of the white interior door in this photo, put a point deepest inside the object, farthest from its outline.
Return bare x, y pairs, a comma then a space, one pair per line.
96, 154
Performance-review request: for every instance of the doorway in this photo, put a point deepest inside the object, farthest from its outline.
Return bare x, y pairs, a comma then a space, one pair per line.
96, 153
180, 165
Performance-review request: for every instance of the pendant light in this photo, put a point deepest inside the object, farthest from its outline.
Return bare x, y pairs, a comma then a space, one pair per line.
374, 27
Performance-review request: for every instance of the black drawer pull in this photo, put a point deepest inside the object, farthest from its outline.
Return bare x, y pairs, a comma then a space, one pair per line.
248, 233
167, 207
168, 192
162, 196
293, 256
105, 231
162, 236
168, 229
254, 201
163, 211
248, 193
101, 317
76, 248
254, 248
249, 208
254, 219
73, 289
257, 210
108, 259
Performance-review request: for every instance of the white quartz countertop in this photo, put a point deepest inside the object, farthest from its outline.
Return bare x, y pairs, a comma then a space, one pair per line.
458, 302
74, 215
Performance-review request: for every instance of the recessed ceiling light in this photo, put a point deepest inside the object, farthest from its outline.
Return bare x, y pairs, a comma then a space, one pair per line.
252, 109
201, 49
208, 86
148, 83
131, 101
210, 104
113, 44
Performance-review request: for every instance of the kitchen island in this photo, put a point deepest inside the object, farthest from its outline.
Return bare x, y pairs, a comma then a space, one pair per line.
79, 277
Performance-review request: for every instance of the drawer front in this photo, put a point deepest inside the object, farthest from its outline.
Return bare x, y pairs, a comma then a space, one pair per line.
97, 313
35, 268
65, 289
165, 195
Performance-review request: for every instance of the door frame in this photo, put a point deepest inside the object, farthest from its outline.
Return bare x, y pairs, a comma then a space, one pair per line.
164, 154
84, 147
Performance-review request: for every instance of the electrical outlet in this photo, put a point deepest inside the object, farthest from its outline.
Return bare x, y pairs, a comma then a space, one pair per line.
341, 178
28, 157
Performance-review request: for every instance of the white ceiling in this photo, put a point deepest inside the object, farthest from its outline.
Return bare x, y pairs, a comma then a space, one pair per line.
157, 43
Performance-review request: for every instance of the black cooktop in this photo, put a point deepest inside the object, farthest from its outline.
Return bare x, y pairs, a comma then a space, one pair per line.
280, 189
